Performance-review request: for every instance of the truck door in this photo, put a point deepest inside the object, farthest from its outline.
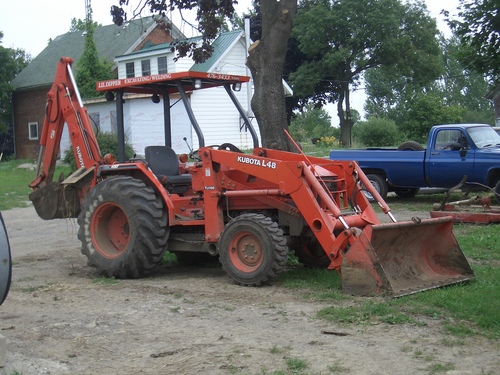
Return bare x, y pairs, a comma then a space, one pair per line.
446, 164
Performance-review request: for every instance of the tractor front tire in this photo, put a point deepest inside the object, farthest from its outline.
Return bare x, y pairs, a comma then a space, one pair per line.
253, 250
123, 228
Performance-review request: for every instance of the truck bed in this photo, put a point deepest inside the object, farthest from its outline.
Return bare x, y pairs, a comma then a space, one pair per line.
401, 166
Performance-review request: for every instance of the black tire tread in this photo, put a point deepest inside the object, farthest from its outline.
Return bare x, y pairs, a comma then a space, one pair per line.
280, 253
150, 216
410, 146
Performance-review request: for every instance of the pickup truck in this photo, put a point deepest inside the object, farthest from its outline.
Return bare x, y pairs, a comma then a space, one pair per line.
452, 152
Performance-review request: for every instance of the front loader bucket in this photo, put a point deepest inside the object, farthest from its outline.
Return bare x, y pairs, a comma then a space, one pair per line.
404, 258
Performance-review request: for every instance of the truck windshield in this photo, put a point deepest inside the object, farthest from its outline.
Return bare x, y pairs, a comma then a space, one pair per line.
484, 137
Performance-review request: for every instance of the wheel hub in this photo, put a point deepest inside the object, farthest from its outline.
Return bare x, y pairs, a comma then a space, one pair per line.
246, 250
110, 230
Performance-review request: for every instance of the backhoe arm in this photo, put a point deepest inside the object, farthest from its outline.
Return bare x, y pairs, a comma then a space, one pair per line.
64, 105
52, 199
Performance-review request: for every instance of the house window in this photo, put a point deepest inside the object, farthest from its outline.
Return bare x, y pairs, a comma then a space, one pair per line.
33, 130
130, 70
162, 65
146, 68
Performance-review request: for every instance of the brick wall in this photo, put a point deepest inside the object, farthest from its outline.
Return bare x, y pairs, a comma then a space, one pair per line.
29, 106
158, 36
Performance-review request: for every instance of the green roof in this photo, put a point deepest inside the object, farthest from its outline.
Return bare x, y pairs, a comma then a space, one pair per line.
110, 41
221, 45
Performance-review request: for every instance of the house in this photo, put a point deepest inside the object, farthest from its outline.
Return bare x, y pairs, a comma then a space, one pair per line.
33, 83
218, 118
143, 48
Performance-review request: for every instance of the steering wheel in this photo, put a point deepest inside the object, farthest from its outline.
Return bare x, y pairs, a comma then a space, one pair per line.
230, 147
194, 154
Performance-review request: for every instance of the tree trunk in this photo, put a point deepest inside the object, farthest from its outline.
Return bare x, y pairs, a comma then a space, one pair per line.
345, 118
266, 58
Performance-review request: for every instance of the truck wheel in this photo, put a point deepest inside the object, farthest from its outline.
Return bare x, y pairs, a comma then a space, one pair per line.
379, 184
123, 228
410, 146
406, 192
252, 249
311, 254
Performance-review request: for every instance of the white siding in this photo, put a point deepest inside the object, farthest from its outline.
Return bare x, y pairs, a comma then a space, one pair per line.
219, 119
181, 65
145, 121
234, 61
216, 115
106, 110
143, 124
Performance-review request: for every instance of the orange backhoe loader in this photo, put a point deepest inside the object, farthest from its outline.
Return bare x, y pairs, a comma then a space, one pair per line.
247, 209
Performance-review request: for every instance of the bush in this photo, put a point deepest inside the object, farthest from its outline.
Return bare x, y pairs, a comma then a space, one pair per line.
108, 144
377, 132
311, 123
327, 141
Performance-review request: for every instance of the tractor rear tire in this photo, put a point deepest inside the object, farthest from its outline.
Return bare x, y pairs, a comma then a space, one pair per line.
123, 228
253, 250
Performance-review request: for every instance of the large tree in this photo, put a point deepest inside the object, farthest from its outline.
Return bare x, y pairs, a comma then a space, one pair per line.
266, 56
343, 39
456, 96
478, 27
461, 85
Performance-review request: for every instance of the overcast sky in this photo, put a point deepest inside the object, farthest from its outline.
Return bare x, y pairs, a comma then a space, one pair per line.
32, 26
29, 24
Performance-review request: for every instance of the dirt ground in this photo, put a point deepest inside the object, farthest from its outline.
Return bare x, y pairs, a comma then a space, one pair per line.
60, 318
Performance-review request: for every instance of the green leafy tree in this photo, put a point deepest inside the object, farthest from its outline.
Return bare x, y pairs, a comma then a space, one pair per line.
426, 110
90, 68
458, 90
344, 39
460, 84
311, 123
478, 28
80, 25
377, 132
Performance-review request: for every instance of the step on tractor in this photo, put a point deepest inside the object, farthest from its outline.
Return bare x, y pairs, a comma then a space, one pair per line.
247, 209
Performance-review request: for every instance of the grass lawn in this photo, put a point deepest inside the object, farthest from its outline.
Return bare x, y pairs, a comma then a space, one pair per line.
14, 183
471, 308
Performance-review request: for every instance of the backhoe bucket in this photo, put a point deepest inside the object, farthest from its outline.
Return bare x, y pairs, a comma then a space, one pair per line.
404, 258
55, 201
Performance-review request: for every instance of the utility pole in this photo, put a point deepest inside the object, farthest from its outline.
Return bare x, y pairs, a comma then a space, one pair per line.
88, 15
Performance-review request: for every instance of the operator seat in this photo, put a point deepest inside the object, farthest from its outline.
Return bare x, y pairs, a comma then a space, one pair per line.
164, 163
